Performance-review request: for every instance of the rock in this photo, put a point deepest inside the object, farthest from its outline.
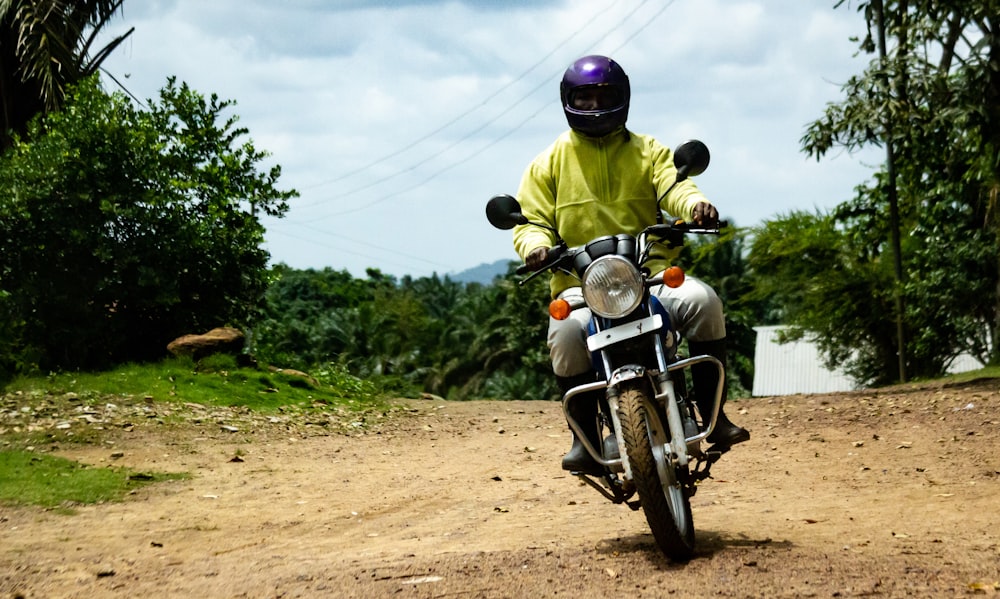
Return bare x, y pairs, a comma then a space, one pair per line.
220, 340
296, 373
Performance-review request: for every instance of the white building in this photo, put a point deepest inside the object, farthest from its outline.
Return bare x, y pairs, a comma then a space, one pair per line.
796, 367
790, 368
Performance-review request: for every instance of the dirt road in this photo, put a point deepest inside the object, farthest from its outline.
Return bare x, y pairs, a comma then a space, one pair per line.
893, 493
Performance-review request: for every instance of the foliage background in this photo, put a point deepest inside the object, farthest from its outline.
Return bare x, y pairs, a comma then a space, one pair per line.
462, 340
122, 229
124, 225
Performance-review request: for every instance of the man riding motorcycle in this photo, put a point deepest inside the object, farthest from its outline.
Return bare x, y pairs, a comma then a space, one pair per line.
598, 179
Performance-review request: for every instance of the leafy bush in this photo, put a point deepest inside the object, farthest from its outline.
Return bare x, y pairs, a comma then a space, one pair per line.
122, 229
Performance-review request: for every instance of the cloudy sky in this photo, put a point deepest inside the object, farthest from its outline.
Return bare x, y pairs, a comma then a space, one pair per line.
398, 120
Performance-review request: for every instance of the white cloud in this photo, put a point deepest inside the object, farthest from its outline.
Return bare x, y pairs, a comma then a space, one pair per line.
442, 104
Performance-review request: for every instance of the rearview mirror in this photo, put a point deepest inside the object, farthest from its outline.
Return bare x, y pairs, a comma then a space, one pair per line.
504, 212
691, 159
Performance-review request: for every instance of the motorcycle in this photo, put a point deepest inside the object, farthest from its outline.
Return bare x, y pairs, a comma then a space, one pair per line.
651, 427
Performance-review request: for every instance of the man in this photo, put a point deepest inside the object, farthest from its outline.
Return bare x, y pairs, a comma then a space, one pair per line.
598, 179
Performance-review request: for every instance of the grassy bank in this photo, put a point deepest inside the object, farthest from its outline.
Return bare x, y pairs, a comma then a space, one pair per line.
41, 415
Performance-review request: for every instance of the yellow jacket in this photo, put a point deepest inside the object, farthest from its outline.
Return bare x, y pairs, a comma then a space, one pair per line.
586, 187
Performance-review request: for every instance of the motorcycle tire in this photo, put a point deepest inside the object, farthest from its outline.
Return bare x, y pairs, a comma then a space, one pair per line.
666, 506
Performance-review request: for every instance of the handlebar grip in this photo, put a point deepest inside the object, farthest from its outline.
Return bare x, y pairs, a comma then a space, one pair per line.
555, 254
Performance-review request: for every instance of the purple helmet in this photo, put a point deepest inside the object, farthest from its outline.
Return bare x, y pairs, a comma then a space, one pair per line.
590, 73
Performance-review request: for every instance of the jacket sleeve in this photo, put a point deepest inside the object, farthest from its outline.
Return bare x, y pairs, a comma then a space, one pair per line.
684, 196
537, 196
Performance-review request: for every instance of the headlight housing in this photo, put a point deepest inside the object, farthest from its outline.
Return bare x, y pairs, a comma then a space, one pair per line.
613, 286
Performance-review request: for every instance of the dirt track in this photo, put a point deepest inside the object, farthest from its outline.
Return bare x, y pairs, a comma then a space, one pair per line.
888, 494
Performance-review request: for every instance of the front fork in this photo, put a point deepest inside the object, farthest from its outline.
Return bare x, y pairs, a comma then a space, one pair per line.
684, 442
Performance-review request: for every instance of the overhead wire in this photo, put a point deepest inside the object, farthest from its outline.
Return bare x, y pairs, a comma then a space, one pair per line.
427, 159
524, 97
509, 131
436, 131
134, 97
643, 27
377, 247
439, 172
353, 252
413, 144
466, 113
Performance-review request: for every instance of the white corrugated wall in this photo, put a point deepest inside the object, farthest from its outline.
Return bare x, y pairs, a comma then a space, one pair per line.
790, 368
796, 367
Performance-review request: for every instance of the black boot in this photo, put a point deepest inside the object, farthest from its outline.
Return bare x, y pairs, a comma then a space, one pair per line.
583, 409
705, 378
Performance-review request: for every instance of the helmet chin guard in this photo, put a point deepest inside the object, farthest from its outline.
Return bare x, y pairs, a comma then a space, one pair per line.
602, 72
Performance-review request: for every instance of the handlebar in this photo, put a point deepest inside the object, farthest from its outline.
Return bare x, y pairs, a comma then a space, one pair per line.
673, 233
555, 255
681, 226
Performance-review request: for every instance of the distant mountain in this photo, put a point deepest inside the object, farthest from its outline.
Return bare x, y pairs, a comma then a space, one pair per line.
484, 273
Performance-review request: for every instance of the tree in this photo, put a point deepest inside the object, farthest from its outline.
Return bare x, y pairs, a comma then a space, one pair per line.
433, 334
831, 287
45, 48
121, 229
722, 263
495, 343
305, 315
933, 98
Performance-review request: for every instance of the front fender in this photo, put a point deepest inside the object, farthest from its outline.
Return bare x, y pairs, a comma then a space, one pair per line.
629, 372
665, 400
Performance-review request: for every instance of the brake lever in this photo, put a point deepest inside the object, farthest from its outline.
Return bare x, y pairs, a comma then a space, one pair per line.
555, 256
680, 227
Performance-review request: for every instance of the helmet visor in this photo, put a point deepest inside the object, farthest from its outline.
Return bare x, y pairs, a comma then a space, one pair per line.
589, 98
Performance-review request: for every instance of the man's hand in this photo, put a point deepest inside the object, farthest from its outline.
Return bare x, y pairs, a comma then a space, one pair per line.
705, 215
536, 258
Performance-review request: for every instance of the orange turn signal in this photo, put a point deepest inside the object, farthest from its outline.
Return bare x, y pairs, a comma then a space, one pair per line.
559, 309
673, 277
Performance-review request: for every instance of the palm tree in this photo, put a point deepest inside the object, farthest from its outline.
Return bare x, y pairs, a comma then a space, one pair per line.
45, 46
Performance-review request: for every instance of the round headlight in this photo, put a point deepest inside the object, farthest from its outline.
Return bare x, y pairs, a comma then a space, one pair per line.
612, 286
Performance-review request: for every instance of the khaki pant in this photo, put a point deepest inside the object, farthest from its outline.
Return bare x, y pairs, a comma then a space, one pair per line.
694, 309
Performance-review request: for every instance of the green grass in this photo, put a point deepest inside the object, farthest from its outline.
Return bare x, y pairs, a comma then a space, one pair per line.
28, 478
32, 407
989, 372
214, 381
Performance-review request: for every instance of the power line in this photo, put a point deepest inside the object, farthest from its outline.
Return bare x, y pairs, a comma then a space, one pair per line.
354, 252
373, 246
450, 146
642, 28
449, 167
124, 89
451, 122
440, 171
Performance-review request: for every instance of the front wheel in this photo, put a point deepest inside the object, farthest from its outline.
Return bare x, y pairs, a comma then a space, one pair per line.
666, 505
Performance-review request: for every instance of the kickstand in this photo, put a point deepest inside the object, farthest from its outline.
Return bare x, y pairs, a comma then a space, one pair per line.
611, 489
